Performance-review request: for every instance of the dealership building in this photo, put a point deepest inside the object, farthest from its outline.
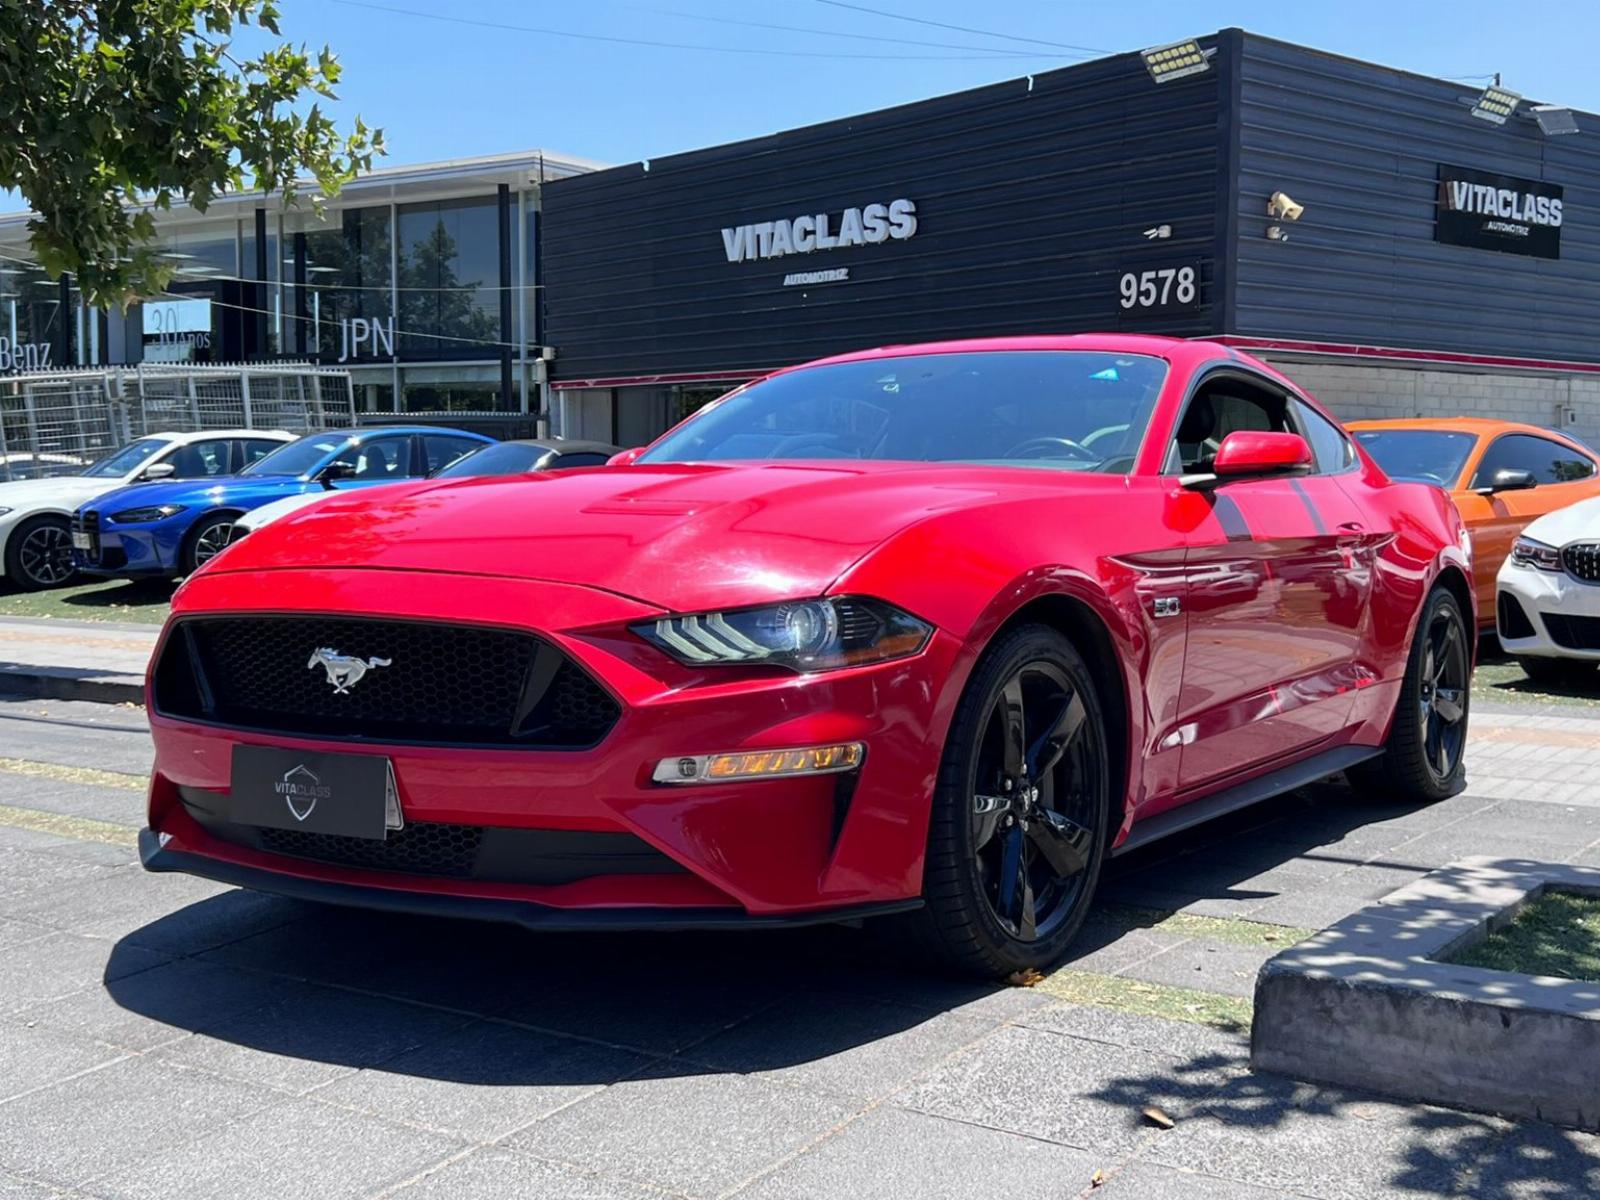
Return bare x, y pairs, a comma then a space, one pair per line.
1399, 244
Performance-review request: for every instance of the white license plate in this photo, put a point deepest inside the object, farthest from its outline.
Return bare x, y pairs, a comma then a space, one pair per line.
80, 541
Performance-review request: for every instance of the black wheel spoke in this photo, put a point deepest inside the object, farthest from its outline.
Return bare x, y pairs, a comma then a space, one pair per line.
1447, 704
1028, 920
1050, 745
1064, 843
1010, 872
1014, 732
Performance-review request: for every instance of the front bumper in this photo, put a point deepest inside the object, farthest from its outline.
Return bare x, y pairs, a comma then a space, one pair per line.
131, 551
543, 918
1554, 614
797, 849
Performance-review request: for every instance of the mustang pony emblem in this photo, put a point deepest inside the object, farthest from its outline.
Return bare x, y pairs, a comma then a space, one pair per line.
344, 672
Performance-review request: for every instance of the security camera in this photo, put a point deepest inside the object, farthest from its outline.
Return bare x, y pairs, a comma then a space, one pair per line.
1283, 207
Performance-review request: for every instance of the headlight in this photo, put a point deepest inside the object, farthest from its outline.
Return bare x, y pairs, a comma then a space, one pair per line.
140, 516
802, 635
1525, 552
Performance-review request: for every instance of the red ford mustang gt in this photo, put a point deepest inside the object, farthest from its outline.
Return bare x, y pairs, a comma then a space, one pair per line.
926, 631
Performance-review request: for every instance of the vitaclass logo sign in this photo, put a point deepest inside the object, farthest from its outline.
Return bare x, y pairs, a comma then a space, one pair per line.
1499, 212
1523, 208
868, 225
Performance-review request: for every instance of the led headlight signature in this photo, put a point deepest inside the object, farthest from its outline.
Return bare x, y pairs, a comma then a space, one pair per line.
1525, 552
138, 516
802, 635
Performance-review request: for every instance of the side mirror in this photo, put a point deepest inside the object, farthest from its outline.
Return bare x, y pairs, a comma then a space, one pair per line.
161, 470
626, 458
335, 471
1255, 454
1508, 480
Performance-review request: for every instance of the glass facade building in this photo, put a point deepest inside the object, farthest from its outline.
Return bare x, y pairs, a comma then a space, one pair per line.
421, 281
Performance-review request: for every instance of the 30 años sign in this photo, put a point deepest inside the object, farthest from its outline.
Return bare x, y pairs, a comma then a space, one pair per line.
1499, 212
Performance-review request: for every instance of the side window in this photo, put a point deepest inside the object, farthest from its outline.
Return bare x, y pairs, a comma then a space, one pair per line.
252, 449
200, 459
1547, 461
440, 450
380, 458
1222, 406
1329, 445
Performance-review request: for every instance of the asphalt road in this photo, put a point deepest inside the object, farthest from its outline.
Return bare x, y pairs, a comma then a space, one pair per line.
161, 1036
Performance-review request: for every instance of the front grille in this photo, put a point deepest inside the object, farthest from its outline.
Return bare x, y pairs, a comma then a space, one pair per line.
424, 848
1575, 633
1583, 561
89, 523
405, 681
486, 853
1512, 618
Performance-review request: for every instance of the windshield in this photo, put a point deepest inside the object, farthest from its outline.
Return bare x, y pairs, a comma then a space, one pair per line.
505, 458
1069, 410
127, 459
1419, 455
297, 457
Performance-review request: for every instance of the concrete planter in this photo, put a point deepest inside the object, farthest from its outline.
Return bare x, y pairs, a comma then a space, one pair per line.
1366, 1003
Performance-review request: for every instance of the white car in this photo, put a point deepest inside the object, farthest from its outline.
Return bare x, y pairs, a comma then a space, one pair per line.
1547, 595
35, 514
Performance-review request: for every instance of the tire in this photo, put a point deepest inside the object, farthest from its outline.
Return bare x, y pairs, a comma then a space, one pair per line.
1557, 672
1050, 815
35, 550
206, 540
1424, 759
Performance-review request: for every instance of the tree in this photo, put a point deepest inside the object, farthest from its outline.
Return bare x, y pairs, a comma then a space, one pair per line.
113, 109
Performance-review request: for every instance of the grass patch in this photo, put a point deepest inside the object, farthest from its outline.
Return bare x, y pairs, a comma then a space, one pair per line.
1500, 679
91, 776
79, 828
1558, 934
1229, 1013
1236, 931
145, 602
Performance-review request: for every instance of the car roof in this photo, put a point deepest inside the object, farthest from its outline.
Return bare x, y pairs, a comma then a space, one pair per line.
200, 435
566, 445
1112, 343
1477, 425
367, 430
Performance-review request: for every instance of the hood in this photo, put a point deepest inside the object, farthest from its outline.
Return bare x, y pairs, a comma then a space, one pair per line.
211, 492
64, 491
681, 536
1578, 522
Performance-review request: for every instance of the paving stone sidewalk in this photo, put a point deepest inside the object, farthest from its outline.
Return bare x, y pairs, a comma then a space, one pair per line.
162, 1036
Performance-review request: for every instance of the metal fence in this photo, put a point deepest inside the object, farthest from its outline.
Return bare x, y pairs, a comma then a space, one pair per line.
58, 422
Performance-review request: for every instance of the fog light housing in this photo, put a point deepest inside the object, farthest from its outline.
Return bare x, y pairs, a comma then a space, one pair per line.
736, 765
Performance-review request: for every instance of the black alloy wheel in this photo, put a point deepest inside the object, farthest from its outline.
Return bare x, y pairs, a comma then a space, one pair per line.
1019, 826
210, 538
40, 554
1442, 692
1425, 757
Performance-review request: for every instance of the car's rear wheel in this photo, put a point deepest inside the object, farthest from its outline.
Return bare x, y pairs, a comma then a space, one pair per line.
39, 554
207, 540
1425, 756
1020, 811
1557, 672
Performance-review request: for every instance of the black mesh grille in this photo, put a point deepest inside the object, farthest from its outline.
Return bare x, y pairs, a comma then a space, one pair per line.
421, 849
1575, 633
1583, 561
1512, 618
403, 681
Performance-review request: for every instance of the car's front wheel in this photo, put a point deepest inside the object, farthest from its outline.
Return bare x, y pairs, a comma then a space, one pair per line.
39, 553
1020, 811
1425, 756
209, 539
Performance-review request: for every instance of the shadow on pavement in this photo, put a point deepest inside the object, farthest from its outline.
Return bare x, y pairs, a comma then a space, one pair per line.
355, 988
1278, 1133
122, 593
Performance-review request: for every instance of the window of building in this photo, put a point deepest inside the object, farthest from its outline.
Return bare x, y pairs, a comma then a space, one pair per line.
348, 271
1546, 460
449, 258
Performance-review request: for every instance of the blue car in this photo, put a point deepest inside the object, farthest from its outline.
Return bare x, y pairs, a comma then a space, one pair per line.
164, 530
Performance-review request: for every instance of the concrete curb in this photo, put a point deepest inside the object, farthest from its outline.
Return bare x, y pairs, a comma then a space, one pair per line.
68, 683
1366, 1003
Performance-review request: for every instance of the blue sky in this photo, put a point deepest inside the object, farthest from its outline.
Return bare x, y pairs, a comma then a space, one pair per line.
442, 89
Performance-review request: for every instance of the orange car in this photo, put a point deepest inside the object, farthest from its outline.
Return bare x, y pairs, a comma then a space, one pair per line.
1501, 475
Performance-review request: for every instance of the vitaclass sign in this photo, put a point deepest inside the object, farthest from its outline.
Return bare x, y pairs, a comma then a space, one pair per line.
809, 232
1498, 212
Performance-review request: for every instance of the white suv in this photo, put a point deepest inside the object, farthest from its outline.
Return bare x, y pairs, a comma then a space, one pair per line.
1547, 595
35, 529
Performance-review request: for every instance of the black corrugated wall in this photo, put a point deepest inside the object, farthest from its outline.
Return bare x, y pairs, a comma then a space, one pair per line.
1360, 147
1032, 199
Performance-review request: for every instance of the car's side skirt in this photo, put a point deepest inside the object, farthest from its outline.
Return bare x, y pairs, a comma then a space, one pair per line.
1242, 795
